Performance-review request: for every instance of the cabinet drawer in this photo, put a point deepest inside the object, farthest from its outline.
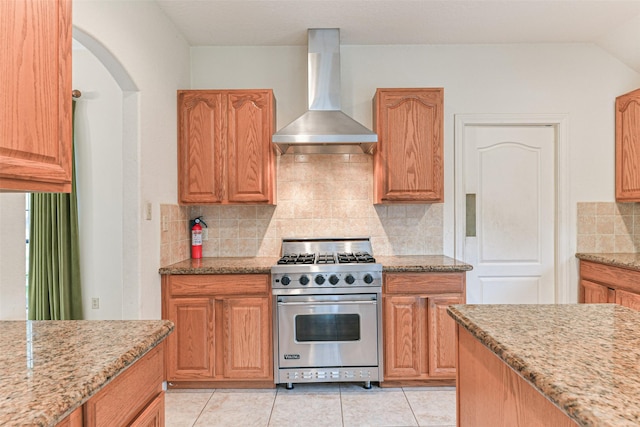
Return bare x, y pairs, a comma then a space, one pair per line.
125, 397
418, 283
219, 284
615, 277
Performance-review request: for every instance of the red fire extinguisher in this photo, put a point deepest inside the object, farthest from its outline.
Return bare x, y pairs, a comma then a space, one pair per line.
196, 237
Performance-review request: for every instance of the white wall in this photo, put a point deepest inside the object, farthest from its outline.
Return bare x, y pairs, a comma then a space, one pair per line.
581, 80
12, 257
156, 57
99, 178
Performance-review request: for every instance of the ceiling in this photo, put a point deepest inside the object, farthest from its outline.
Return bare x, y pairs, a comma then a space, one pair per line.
284, 22
614, 25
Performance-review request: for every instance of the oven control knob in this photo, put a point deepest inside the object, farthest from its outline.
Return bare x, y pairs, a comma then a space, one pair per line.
368, 279
349, 279
319, 280
333, 279
304, 280
285, 280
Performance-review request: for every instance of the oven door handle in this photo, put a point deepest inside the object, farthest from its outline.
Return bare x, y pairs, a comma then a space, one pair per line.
308, 303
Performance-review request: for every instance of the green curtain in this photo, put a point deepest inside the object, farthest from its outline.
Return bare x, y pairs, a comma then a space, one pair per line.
54, 254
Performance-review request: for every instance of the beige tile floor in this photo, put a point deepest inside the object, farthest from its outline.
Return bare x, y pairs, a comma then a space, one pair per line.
331, 405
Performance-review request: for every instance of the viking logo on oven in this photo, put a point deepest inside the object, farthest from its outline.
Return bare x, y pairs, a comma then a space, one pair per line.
291, 356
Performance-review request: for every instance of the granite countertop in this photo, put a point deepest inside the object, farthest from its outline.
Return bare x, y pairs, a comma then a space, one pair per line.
222, 265
624, 260
421, 263
582, 357
262, 265
50, 368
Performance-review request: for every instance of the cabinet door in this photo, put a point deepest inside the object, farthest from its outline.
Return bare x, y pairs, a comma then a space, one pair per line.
35, 83
74, 419
628, 147
191, 347
250, 164
247, 338
628, 299
442, 336
201, 123
593, 293
153, 414
405, 352
408, 160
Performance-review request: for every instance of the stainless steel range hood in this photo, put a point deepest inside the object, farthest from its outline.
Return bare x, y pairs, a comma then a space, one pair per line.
324, 128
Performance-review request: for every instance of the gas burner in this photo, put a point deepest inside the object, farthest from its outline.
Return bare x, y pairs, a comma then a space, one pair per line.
324, 265
290, 258
326, 258
358, 257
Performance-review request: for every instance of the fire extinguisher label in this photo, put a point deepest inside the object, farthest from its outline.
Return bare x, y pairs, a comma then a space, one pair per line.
196, 238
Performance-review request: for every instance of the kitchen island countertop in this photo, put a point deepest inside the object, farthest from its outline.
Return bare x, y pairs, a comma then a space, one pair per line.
262, 265
50, 368
582, 357
625, 260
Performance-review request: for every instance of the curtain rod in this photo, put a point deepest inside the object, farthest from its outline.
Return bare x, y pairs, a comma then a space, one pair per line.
76, 93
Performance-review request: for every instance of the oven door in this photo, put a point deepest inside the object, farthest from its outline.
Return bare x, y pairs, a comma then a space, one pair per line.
327, 330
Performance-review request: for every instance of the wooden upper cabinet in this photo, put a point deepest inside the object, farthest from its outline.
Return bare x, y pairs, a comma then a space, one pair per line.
35, 83
408, 159
200, 146
225, 153
628, 147
250, 161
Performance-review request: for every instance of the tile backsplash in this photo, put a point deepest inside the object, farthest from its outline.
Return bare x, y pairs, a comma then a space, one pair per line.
317, 196
608, 227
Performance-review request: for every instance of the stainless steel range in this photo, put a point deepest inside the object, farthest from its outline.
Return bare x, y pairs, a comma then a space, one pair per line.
327, 296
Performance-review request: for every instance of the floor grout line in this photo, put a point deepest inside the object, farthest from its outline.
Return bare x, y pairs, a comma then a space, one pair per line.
342, 391
410, 407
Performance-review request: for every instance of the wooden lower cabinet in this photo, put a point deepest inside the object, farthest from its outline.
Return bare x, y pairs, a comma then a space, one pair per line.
490, 394
129, 394
153, 415
628, 299
74, 419
222, 335
418, 335
593, 293
134, 398
600, 283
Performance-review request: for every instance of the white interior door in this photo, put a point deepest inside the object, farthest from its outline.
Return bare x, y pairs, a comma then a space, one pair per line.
511, 171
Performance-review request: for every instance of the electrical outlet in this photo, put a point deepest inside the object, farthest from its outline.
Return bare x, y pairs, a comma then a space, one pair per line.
205, 233
95, 303
165, 223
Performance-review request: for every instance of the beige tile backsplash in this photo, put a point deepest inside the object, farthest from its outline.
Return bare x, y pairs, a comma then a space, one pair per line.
317, 196
608, 227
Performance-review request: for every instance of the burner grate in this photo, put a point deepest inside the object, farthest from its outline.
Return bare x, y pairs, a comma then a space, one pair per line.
290, 258
326, 258
358, 257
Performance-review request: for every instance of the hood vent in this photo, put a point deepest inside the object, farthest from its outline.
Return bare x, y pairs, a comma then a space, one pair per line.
324, 128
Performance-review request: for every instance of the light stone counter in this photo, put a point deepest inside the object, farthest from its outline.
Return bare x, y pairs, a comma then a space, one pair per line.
421, 263
624, 260
222, 265
585, 358
262, 265
50, 368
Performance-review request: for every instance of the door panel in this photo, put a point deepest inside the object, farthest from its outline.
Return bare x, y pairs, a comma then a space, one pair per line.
511, 170
246, 328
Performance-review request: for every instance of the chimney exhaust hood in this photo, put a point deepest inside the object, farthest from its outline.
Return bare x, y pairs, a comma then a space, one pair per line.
324, 128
